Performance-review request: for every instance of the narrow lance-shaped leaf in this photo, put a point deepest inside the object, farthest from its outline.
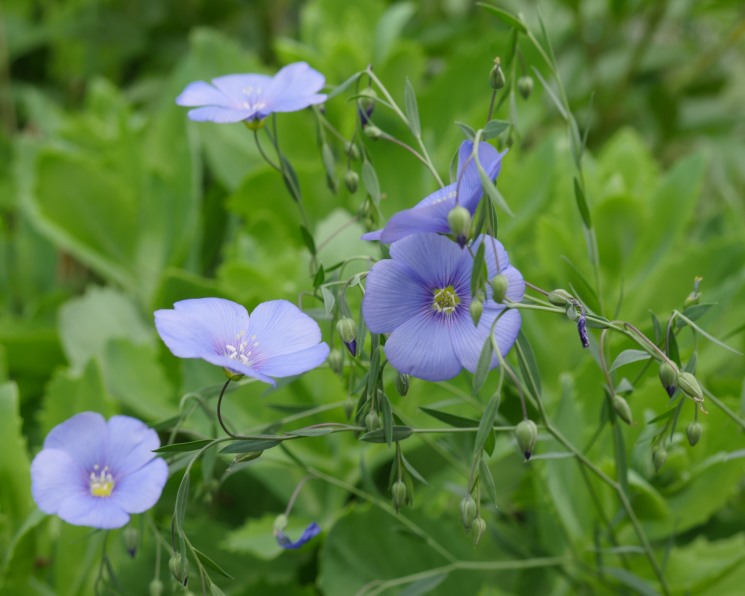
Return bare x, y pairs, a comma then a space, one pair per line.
490, 189
486, 426
584, 211
504, 16
412, 110
370, 180
483, 365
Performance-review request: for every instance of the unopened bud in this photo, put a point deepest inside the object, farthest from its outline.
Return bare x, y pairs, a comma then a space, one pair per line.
476, 308
156, 587
398, 490
525, 86
366, 104
336, 361
499, 285
560, 298
467, 511
347, 330
621, 406
131, 537
695, 296
373, 132
693, 432
688, 384
372, 421
526, 433
352, 151
659, 457
402, 382
351, 181
478, 528
459, 220
668, 378
280, 523
496, 76
179, 568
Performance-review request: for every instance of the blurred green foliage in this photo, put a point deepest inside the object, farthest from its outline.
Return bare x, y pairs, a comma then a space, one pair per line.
114, 205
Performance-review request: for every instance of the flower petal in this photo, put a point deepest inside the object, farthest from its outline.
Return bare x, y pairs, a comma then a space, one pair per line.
437, 261
200, 93
432, 218
468, 340
55, 478
287, 365
312, 530
130, 446
393, 295
94, 512
199, 327
376, 235
219, 115
82, 437
281, 327
294, 87
243, 87
470, 189
422, 348
515, 281
140, 490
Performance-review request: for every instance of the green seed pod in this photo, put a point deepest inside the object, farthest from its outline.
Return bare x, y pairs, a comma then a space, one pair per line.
351, 181
688, 384
402, 382
336, 361
346, 329
372, 421
399, 493
496, 76
352, 151
499, 285
156, 587
131, 537
467, 511
525, 86
659, 457
527, 433
373, 132
479, 527
693, 432
560, 297
179, 568
621, 406
476, 308
459, 220
668, 378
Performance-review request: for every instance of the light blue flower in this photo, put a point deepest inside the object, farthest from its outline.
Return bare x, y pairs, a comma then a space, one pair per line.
252, 97
312, 530
421, 296
96, 473
431, 214
278, 340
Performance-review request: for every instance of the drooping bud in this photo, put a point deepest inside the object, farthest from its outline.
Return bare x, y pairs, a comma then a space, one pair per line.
693, 432
659, 457
525, 86
582, 330
695, 296
476, 308
156, 587
131, 537
336, 361
560, 297
479, 527
688, 384
668, 378
467, 511
459, 220
402, 383
366, 104
496, 76
499, 285
621, 406
398, 491
347, 330
351, 181
373, 132
372, 421
179, 568
526, 433
352, 151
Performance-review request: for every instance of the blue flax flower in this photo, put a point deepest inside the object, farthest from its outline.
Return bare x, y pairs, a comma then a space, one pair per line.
421, 296
278, 340
312, 530
252, 97
431, 214
96, 473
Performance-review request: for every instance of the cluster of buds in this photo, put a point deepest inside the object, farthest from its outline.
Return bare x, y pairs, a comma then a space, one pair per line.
672, 379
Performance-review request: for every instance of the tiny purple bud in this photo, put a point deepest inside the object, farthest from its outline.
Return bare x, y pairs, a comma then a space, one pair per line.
582, 329
352, 347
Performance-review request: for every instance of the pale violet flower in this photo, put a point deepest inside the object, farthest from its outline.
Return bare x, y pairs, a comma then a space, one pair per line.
253, 97
421, 296
277, 340
97, 473
431, 213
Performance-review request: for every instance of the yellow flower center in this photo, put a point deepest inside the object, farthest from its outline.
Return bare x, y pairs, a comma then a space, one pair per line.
101, 481
445, 300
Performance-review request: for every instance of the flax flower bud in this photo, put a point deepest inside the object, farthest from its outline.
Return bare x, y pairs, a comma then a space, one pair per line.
525, 86
479, 527
659, 457
688, 384
351, 181
693, 432
668, 378
496, 76
399, 492
459, 220
467, 511
560, 297
402, 382
499, 286
347, 330
526, 433
476, 308
621, 406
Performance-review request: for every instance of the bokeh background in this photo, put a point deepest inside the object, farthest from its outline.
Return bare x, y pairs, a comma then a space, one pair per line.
113, 205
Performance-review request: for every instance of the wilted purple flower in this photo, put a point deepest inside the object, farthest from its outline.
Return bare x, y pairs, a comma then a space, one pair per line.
431, 214
252, 97
582, 329
279, 340
312, 530
421, 296
96, 473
